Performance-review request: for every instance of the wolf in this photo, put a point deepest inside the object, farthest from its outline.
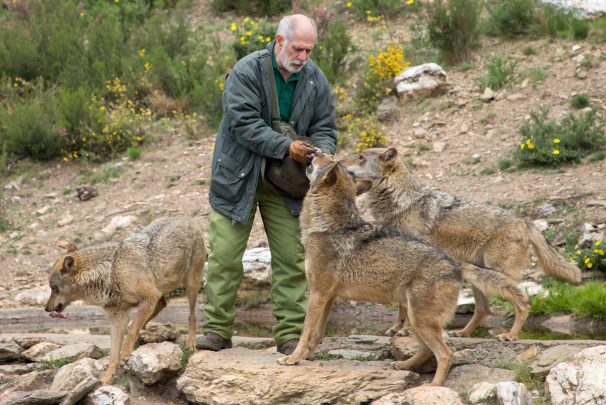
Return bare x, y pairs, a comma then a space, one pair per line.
348, 257
469, 231
135, 272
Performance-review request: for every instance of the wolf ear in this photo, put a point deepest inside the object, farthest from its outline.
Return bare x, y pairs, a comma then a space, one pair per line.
68, 265
67, 245
363, 185
390, 154
330, 178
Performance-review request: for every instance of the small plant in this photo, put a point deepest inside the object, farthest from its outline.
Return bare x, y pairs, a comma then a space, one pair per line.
592, 258
186, 355
133, 153
579, 101
530, 50
389, 8
589, 300
58, 363
499, 72
597, 157
545, 142
257, 7
504, 164
487, 171
579, 28
454, 27
537, 74
251, 35
366, 131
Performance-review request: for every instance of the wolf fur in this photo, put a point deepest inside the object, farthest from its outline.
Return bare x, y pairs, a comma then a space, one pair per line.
469, 231
133, 273
350, 258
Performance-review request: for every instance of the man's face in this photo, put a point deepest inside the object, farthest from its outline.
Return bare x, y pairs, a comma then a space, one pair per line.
293, 55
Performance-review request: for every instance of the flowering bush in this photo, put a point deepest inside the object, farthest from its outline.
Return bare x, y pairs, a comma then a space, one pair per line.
382, 68
366, 132
544, 142
251, 35
592, 258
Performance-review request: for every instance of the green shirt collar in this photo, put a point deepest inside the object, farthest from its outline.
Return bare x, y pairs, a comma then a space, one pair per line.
274, 64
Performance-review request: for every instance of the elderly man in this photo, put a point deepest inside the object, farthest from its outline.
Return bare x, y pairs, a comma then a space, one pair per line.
244, 140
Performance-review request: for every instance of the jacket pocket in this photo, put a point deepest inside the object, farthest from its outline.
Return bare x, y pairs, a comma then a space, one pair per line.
230, 179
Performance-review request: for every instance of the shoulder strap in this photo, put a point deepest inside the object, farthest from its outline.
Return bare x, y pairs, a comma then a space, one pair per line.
269, 70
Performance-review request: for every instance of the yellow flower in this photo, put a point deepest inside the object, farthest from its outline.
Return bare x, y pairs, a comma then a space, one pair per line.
556, 140
522, 146
530, 144
601, 252
586, 260
410, 2
578, 252
117, 1
248, 33
556, 152
234, 26
267, 39
348, 4
598, 243
589, 265
82, 14
142, 52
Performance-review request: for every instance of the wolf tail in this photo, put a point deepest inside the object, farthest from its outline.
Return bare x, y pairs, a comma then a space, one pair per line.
550, 260
491, 282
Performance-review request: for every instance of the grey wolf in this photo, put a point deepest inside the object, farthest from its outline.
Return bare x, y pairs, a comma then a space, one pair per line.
469, 231
135, 272
245, 139
348, 257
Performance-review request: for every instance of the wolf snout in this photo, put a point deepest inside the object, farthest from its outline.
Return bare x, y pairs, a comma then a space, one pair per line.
58, 308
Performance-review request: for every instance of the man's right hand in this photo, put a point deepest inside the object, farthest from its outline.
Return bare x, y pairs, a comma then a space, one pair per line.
302, 151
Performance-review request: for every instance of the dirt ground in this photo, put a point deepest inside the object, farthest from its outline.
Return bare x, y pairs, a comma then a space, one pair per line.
172, 175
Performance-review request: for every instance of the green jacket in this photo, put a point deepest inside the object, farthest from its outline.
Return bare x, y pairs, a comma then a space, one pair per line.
245, 136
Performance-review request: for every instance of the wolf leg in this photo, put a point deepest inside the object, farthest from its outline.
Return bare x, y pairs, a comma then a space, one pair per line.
482, 309
430, 333
311, 328
191, 287
319, 334
119, 320
160, 305
401, 327
144, 312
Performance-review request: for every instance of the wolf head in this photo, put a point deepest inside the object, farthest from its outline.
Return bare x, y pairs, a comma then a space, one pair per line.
373, 163
63, 288
324, 173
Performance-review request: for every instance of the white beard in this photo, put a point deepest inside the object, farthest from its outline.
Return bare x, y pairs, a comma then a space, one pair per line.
291, 65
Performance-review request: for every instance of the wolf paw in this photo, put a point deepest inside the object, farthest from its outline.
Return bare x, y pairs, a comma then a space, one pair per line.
506, 337
397, 331
287, 361
458, 333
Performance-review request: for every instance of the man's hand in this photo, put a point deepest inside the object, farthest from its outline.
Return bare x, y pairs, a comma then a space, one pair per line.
302, 151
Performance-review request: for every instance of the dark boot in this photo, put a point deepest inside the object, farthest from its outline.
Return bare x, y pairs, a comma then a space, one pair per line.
212, 341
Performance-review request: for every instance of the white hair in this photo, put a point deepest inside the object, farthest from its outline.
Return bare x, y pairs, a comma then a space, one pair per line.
288, 26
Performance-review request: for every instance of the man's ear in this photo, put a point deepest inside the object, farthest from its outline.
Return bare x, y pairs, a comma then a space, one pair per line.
363, 185
68, 265
390, 154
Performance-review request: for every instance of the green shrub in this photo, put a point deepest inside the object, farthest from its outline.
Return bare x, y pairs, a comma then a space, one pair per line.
499, 72
545, 142
579, 101
454, 27
509, 18
385, 8
29, 128
133, 153
529, 50
504, 164
597, 30
579, 28
551, 22
256, 7
334, 50
536, 74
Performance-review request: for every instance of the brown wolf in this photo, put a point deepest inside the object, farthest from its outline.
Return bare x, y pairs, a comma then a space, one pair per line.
133, 273
348, 257
469, 231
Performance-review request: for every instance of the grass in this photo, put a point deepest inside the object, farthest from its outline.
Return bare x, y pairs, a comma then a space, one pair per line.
588, 300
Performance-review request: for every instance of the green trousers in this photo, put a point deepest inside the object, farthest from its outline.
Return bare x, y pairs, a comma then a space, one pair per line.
289, 285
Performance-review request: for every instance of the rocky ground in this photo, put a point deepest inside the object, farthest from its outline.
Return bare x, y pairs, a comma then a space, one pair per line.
441, 134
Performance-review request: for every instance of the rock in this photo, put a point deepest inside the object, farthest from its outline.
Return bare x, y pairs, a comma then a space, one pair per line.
424, 395
513, 393
38, 397
488, 95
37, 352
353, 354
541, 224
482, 392
425, 79
551, 356
74, 351
464, 377
80, 390
580, 380
155, 361
34, 381
563, 324
86, 193
70, 375
388, 110
155, 332
107, 395
438, 147
10, 351
242, 376
68, 219
37, 296
118, 222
